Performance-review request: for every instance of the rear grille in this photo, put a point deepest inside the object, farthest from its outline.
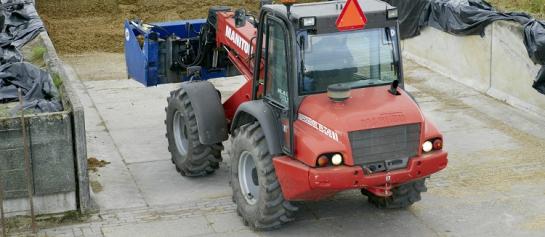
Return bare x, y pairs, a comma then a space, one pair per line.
385, 144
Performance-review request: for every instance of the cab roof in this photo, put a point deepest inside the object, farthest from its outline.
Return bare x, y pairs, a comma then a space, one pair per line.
326, 13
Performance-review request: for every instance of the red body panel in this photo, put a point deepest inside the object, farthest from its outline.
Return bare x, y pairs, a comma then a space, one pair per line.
322, 127
368, 108
240, 44
242, 95
327, 132
301, 182
294, 180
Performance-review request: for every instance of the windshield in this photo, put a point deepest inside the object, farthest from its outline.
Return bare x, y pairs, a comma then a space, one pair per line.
358, 58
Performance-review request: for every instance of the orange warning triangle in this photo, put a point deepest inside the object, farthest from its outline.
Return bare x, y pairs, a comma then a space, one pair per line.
352, 17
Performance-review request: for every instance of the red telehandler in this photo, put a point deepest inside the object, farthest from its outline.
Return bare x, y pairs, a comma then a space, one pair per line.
322, 110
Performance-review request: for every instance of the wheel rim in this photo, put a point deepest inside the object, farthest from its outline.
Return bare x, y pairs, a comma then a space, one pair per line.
180, 133
247, 176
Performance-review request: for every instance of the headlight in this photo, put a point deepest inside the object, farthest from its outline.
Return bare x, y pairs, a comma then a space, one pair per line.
427, 146
337, 159
308, 22
393, 14
326, 160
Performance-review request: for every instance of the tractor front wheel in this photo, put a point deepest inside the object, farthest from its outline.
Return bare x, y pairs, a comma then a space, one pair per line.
190, 157
403, 196
256, 189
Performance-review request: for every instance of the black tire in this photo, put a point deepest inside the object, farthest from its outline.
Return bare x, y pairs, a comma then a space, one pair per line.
402, 196
196, 159
270, 210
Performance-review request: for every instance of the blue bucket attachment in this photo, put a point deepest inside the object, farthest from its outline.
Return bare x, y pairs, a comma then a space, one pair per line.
146, 51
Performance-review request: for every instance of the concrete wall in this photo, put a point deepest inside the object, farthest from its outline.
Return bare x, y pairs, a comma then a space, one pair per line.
51, 150
78, 122
496, 64
46, 204
57, 150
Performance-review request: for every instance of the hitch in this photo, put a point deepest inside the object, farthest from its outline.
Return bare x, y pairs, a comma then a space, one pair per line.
194, 73
382, 191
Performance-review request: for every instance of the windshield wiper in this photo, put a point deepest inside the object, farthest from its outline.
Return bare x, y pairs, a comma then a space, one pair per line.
302, 55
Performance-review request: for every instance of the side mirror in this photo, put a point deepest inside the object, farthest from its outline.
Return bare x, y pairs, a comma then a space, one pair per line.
240, 18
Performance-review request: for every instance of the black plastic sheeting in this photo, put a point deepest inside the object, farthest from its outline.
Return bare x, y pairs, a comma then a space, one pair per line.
470, 17
36, 85
20, 24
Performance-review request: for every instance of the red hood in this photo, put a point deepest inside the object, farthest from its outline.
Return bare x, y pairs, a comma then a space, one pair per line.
367, 108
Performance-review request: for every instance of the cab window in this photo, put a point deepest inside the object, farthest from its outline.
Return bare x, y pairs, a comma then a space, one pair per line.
276, 76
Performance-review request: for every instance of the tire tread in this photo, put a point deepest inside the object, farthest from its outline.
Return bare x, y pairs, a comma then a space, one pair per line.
204, 159
275, 210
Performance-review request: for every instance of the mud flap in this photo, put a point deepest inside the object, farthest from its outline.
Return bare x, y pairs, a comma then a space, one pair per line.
209, 112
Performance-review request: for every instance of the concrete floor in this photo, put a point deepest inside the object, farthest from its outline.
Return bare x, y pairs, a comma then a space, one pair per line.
494, 185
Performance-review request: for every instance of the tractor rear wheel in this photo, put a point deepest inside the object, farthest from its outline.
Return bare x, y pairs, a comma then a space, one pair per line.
256, 189
403, 196
190, 157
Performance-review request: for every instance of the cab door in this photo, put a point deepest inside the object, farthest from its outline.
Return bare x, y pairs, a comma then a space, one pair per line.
276, 76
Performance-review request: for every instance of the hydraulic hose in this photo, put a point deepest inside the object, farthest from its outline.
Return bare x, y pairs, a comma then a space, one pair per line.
201, 50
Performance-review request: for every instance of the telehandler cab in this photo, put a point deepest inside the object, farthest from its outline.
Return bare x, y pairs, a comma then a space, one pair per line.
322, 108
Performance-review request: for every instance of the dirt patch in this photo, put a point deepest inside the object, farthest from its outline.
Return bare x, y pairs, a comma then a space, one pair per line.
93, 164
6, 108
534, 7
34, 51
535, 223
97, 25
96, 186
15, 225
